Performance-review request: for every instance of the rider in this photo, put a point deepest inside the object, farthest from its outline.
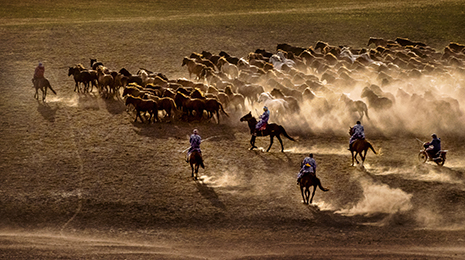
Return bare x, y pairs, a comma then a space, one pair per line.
307, 165
38, 74
195, 141
263, 120
433, 147
359, 133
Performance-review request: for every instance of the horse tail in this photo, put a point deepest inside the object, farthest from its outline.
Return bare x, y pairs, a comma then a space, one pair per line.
370, 146
47, 85
221, 106
285, 134
321, 186
201, 163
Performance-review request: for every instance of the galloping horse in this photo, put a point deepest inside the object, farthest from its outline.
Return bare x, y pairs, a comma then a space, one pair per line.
271, 129
43, 85
308, 180
360, 146
195, 160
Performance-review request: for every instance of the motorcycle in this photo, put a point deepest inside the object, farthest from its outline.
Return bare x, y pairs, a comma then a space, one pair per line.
439, 158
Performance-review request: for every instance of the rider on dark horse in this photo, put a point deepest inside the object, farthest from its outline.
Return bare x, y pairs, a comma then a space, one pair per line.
38, 74
262, 122
358, 133
433, 147
308, 165
195, 141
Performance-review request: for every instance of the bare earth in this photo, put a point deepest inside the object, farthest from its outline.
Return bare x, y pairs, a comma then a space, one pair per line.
80, 180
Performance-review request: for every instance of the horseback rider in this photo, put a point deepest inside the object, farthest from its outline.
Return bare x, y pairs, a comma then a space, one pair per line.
308, 165
433, 147
38, 74
358, 133
263, 120
195, 141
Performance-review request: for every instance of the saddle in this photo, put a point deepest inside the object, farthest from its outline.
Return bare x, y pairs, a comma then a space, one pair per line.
263, 127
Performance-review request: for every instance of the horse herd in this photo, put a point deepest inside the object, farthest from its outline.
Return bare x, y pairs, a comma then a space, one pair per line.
326, 78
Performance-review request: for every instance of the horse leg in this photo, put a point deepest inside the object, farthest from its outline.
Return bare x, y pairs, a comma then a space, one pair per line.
192, 168
302, 192
271, 142
138, 115
197, 170
313, 193
363, 156
352, 152
44, 93
307, 194
252, 142
281, 142
359, 154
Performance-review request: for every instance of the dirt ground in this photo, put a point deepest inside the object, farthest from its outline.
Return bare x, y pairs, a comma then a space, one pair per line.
81, 180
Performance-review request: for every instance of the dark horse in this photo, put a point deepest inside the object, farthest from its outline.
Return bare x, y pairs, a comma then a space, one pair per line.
310, 179
43, 84
195, 160
271, 129
360, 146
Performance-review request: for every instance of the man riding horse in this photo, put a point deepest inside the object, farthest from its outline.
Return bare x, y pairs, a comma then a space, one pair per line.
38, 74
263, 121
358, 133
308, 165
195, 141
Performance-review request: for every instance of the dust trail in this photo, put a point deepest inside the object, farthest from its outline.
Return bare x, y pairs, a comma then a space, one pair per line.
318, 149
426, 173
379, 198
71, 102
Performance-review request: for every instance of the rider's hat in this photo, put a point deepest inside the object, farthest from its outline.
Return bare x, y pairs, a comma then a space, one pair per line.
434, 135
265, 108
358, 123
195, 131
41, 64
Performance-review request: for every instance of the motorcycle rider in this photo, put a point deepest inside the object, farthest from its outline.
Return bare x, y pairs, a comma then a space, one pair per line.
433, 147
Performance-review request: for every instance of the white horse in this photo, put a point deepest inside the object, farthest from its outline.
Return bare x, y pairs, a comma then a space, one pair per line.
276, 105
278, 60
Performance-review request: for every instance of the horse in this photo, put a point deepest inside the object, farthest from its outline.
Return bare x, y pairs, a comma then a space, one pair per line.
355, 106
196, 161
271, 129
212, 106
277, 105
143, 105
80, 76
193, 67
360, 146
43, 85
306, 181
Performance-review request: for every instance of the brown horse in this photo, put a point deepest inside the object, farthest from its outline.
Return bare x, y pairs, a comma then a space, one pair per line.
360, 146
271, 129
308, 180
195, 160
43, 84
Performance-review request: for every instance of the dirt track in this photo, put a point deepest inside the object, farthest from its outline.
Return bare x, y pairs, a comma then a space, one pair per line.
81, 180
